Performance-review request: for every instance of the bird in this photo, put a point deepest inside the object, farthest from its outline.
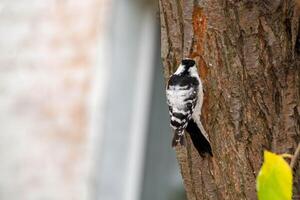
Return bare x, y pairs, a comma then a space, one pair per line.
184, 93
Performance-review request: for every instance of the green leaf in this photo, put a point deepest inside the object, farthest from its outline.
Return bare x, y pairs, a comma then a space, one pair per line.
275, 180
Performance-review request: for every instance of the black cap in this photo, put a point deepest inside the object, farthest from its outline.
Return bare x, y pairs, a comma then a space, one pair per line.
188, 62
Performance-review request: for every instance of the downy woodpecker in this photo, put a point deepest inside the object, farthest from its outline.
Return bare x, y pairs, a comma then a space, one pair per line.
185, 97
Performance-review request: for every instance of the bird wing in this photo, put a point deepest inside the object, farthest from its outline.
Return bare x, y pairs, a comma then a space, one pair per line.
182, 101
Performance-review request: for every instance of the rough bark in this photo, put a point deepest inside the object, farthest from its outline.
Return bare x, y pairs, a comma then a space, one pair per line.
248, 56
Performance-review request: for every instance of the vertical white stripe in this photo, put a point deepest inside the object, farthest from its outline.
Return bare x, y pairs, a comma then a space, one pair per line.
99, 88
141, 104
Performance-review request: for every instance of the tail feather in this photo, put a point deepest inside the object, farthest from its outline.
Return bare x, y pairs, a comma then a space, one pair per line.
200, 142
178, 139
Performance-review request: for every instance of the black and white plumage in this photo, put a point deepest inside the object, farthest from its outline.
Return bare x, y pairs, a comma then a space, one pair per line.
185, 98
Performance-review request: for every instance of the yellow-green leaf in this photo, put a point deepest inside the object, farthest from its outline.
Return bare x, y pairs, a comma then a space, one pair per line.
275, 180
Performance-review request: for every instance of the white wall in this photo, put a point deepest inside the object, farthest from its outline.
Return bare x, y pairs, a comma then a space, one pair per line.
47, 53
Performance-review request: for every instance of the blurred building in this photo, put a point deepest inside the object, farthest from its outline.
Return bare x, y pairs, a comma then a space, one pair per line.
82, 102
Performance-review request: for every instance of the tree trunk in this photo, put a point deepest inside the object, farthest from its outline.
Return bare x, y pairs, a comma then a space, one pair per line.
248, 55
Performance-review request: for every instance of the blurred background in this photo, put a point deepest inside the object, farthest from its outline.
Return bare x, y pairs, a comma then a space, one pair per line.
82, 102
